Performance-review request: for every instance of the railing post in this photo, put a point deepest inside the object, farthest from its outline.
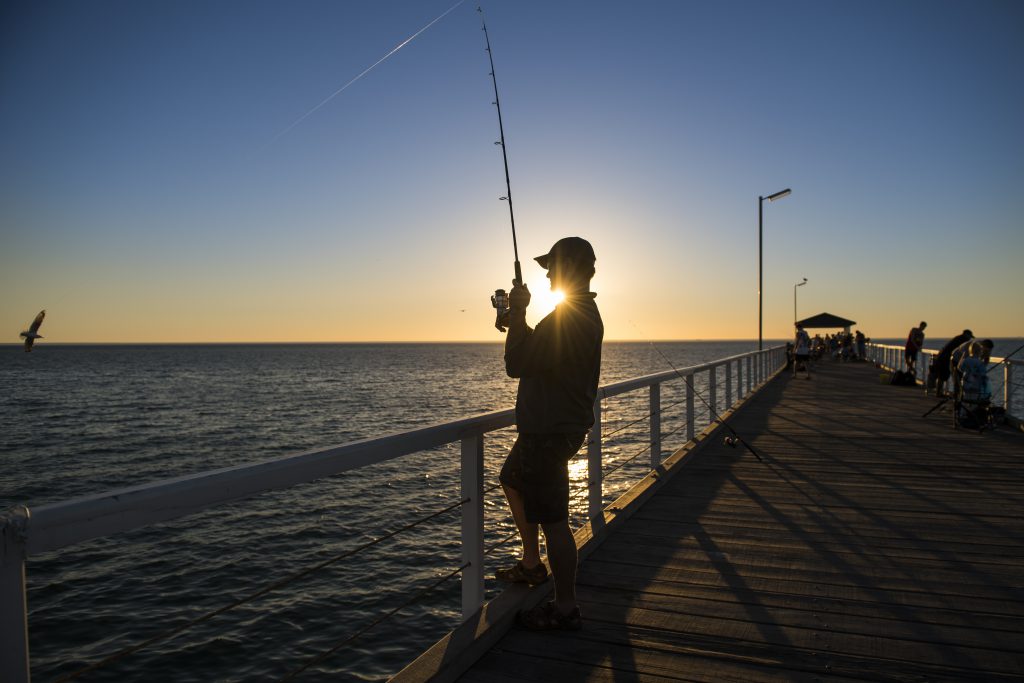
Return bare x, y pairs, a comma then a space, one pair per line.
750, 364
14, 664
739, 378
1008, 387
689, 407
728, 385
655, 425
472, 524
595, 480
712, 392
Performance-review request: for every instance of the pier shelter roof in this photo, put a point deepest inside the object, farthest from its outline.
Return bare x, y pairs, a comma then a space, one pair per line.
826, 320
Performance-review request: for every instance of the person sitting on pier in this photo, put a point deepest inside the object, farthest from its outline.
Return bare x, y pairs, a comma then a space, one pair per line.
941, 363
965, 356
558, 364
915, 342
802, 351
973, 391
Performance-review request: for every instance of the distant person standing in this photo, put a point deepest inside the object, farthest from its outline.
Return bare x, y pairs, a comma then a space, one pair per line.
861, 345
915, 342
942, 361
558, 364
802, 351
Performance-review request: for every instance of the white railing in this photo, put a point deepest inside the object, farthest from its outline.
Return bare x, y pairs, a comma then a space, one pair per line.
25, 532
891, 358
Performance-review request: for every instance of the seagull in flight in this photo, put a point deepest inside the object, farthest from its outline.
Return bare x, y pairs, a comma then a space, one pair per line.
33, 332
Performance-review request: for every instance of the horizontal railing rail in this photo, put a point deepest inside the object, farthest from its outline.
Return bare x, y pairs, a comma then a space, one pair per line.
28, 531
891, 357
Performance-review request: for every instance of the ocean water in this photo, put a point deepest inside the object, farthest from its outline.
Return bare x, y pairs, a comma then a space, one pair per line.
80, 420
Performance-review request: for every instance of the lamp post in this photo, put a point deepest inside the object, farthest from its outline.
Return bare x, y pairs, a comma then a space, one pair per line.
799, 284
760, 259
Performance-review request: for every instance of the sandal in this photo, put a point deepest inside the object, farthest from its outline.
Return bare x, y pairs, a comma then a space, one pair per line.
545, 617
519, 573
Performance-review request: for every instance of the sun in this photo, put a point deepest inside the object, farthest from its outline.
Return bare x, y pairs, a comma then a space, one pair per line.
543, 300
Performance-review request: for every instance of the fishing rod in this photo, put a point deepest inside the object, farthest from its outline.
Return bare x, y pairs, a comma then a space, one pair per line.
1006, 358
500, 298
734, 437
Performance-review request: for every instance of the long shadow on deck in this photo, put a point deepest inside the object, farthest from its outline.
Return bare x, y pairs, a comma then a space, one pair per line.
871, 543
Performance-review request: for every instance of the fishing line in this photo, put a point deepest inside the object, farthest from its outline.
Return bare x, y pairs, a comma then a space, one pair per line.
1006, 359
501, 143
365, 71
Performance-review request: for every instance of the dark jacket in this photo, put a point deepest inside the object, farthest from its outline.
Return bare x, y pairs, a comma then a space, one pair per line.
943, 356
558, 365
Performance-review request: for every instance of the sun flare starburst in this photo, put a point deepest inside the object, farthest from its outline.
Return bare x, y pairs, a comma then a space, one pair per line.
543, 299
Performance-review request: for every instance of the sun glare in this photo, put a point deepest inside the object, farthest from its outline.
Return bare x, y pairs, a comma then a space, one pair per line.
543, 300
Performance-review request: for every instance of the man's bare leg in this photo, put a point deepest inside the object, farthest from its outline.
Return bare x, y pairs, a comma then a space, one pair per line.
527, 530
562, 556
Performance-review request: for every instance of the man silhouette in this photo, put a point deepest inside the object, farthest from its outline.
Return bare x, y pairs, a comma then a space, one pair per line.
558, 365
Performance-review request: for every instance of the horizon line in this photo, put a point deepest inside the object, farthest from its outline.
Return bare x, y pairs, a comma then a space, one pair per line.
410, 342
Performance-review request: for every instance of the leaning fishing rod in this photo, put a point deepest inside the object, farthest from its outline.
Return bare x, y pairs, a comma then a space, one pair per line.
500, 298
734, 436
1006, 359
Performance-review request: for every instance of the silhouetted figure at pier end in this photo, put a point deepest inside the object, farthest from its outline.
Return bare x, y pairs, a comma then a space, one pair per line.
802, 352
915, 342
558, 364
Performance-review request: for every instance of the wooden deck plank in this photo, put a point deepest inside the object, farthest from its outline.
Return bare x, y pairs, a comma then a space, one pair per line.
871, 544
629, 659
938, 612
861, 559
795, 586
745, 538
759, 610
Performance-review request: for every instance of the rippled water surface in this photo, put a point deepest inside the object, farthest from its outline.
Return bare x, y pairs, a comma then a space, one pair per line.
80, 420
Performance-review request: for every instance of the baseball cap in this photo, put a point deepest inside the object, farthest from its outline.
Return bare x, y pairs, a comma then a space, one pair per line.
575, 248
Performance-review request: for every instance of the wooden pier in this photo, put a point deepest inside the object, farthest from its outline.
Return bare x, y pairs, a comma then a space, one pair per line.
871, 544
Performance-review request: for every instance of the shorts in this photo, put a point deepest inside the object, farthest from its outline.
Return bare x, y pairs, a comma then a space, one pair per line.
910, 355
538, 468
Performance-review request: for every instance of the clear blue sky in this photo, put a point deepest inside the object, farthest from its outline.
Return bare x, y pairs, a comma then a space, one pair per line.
146, 193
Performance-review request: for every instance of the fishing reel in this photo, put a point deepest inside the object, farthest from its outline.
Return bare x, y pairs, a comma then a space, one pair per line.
731, 441
500, 302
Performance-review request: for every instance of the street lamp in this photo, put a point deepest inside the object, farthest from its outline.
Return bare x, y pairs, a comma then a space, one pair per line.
760, 258
799, 284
